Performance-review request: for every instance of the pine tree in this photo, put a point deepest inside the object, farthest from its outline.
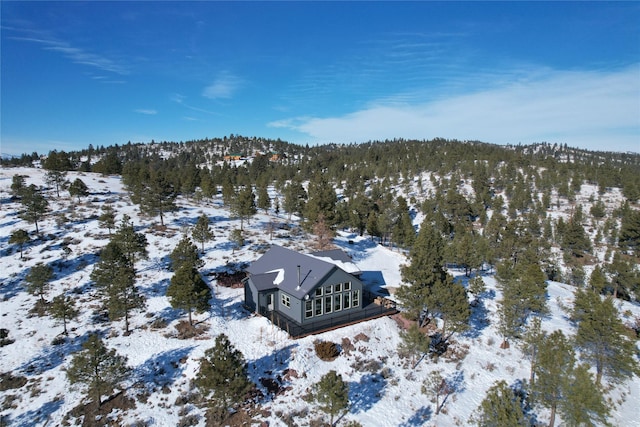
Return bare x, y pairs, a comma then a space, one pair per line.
19, 237
201, 231
331, 394
501, 407
57, 164
629, 237
223, 374
322, 201
244, 205
531, 341
18, 185
157, 196
63, 309
295, 197
132, 244
552, 370
425, 270
601, 337
185, 253
237, 237
101, 370
264, 201
403, 232
187, 291
115, 277
583, 403
34, 204
107, 218
78, 189
414, 343
477, 287
38, 280
449, 301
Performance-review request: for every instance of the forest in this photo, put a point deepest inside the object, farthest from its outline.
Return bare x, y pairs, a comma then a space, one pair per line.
480, 231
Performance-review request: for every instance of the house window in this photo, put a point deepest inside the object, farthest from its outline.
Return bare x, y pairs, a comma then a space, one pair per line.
327, 304
328, 289
338, 287
319, 291
286, 300
347, 286
337, 302
308, 309
318, 304
355, 301
346, 300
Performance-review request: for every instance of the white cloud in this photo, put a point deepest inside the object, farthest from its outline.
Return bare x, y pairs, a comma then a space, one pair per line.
146, 111
590, 109
223, 87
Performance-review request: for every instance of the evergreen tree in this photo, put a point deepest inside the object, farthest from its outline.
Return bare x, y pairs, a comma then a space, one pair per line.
403, 232
228, 192
322, 201
524, 291
244, 205
575, 241
201, 231
552, 371
35, 206
331, 394
18, 185
435, 386
107, 218
295, 197
425, 270
57, 164
131, 243
115, 277
624, 277
449, 300
63, 308
101, 370
264, 201
532, 339
157, 196
223, 374
187, 291
185, 253
38, 280
601, 337
78, 189
629, 237
19, 237
477, 287
414, 343
583, 403
501, 407
237, 237
598, 280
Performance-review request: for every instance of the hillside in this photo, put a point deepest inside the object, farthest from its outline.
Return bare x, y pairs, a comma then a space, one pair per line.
385, 389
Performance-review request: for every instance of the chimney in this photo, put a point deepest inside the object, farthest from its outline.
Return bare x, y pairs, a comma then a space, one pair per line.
298, 277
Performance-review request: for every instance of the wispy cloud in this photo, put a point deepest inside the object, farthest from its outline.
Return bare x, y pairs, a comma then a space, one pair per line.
75, 54
146, 111
180, 99
223, 87
591, 109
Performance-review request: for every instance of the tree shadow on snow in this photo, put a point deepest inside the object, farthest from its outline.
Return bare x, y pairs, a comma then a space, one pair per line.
365, 393
221, 307
53, 355
419, 418
478, 320
38, 416
271, 372
356, 248
162, 369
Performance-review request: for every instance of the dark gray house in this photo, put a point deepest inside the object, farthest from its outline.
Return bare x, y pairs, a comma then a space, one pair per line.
304, 294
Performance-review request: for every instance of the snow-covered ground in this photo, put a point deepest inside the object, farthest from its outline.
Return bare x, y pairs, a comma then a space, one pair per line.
385, 390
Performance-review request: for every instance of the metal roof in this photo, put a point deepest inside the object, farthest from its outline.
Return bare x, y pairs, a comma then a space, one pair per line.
295, 273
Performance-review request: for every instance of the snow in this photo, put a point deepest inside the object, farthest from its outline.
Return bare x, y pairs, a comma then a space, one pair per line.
385, 390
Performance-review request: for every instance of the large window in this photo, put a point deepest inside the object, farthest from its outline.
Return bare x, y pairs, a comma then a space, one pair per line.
327, 304
355, 299
318, 307
337, 302
286, 300
346, 300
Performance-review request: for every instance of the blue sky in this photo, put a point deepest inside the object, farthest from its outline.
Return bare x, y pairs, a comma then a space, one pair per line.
101, 73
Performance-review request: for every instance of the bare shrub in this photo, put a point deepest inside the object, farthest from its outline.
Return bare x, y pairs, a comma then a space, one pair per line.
326, 350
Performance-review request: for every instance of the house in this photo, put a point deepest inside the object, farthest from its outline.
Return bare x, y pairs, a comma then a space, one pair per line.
309, 293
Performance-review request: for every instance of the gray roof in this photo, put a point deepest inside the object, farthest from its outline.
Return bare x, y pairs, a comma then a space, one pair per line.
340, 258
280, 266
